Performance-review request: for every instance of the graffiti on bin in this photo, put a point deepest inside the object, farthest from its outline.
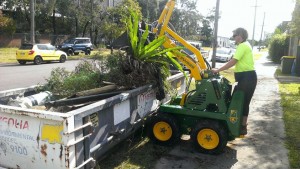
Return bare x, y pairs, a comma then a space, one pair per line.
147, 102
3, 148
21, 150
17, 123
14, 126
17, 135
9, 145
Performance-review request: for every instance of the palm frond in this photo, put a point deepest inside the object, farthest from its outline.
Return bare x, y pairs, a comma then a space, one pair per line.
143, 40
152, 56
155, 43
174, 62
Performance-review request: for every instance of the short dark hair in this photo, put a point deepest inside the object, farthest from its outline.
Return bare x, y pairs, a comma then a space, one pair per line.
241, 32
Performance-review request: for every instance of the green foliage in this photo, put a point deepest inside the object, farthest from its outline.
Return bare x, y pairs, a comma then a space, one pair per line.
55, 82
64, 84
290, 103
108, 23
150, 9
206, 33
281, 28
278, 47
116, 66
81, 81
147, 60
151, 52
295, 25
145, 63
113, 20
186, 20
7, 25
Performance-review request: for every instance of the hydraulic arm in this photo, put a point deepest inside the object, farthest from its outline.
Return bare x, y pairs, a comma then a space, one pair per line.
161, 28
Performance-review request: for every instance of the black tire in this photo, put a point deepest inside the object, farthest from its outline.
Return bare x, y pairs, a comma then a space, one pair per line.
70, 52
62, 58
22, 62
209, 137
88, 51
162, 129
38, 60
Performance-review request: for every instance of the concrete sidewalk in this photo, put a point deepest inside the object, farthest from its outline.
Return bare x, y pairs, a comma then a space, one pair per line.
262, 148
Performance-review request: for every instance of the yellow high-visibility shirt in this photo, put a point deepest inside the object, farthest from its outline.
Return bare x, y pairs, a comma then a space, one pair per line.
244, 57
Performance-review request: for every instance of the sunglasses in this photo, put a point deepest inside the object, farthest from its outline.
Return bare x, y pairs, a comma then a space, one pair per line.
234, 35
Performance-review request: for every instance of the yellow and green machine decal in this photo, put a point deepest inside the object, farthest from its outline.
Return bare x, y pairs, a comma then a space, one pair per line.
233, 116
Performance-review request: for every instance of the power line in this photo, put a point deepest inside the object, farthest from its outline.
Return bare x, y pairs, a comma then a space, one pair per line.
215, 41
32, 28
262, 29
254, 23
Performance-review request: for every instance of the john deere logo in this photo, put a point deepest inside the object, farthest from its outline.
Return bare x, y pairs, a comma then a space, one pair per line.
233, 116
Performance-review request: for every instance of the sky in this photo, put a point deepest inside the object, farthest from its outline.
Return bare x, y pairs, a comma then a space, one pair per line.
240, 13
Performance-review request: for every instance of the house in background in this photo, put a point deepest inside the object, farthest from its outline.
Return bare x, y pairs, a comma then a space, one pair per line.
110, 3
223, 42
294, 50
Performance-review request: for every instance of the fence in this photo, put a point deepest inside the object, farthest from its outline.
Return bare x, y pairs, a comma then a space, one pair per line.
17, 39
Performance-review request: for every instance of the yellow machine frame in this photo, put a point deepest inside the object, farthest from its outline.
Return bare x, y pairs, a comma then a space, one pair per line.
162, 28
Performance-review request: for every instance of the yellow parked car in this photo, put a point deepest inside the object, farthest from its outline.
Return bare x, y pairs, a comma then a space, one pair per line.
39, 53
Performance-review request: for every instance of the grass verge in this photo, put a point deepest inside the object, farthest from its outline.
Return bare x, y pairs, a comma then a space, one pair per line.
136, 152
8, 55
94, 54
290, 103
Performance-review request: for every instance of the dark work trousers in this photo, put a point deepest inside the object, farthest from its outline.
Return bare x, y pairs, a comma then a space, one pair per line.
247, 83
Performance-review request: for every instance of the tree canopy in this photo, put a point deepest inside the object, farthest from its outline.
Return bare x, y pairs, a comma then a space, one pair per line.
91, 18
295, 26
7, 25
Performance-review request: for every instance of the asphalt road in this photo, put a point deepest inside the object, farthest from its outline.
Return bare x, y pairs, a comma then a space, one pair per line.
15, 75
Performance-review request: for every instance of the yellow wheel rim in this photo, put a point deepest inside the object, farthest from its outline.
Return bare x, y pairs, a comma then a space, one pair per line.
162, 131
208, 139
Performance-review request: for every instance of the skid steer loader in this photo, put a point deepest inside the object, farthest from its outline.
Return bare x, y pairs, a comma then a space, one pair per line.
210, 114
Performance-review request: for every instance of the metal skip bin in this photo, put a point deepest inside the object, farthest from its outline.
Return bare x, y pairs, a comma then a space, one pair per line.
32, 139
37, 139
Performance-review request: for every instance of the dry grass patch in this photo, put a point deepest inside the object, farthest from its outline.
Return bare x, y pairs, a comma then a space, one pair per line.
8, 55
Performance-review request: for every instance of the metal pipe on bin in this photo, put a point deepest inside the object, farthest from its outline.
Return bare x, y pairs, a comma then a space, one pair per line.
80, 100
79, 128
86, 162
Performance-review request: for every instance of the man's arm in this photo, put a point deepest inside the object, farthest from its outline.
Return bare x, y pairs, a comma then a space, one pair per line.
228, 65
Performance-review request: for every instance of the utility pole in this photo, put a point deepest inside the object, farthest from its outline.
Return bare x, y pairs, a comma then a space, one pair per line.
254, 23
32, 28
215, 40
92, 21
262, 29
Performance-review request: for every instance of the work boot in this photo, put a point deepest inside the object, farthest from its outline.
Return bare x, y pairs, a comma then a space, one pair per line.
243, 130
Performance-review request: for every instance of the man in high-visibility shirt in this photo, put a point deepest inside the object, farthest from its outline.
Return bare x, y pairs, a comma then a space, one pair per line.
244, 71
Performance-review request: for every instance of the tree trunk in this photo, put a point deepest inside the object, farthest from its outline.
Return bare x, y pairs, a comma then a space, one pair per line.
84, 30
96, 36
53, 22
27, 18
76, 26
